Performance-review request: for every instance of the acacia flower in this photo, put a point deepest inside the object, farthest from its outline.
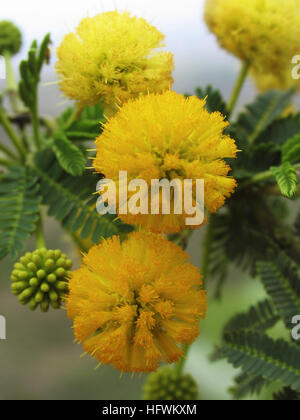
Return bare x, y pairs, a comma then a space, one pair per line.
264, 33
133, 302
169, 137
111, 58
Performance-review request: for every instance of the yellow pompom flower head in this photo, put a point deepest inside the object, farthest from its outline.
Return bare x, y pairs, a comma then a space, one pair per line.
133, 302
264, 33
39, 278
170, 137
111, 58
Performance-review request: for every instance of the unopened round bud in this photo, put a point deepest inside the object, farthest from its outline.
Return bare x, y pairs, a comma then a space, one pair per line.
40, 278
167, 384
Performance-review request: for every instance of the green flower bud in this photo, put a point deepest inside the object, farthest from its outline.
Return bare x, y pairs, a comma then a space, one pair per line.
45, 305
23, 275
166, 384
19, 286
62, 285
41, 274
50, 264
33, 304
40, 278
36, 259
61, 262
60, 272
54, 304
34, 282
39, 296
51, 278
50, 254
68, 264
27, 293
19, 266
31, 266
24, 260
45, 287
57, 253
53, 295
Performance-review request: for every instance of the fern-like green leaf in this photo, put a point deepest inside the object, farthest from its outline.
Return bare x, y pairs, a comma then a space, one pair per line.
218, 261
281, 280
287, 394
291, 150
259, 355
42, 55
214, 99
242, 243
281, 130
262, 113
246, 384
19, 210
286, 177
72, 200
87, 126
69, 156
30, 72
259, 318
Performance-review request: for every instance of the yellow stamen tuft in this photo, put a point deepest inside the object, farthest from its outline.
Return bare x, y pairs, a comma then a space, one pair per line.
132, 303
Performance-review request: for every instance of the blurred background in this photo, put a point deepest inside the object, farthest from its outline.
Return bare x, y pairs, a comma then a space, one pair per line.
39, 359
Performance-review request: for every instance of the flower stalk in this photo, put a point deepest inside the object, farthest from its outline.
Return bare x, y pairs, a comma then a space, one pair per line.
11, 85
238, 87
4, 121
35, 121
40, 238
262, 176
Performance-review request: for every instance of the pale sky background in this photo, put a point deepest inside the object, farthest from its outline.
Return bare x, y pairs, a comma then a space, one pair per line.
198, 59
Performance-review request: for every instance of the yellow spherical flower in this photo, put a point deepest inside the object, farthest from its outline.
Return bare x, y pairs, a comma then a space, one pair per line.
169, 137
282, 81
111, 58
265, 33
133, 302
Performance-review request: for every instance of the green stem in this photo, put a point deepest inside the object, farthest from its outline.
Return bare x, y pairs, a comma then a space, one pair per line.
40, 238
180, 365
8, 152
6, 162
74, 116
11, 84
238, 87
206, 252
273, 189
262, 176
4, 121
50, 125
181, 239
36, 122
10, 79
